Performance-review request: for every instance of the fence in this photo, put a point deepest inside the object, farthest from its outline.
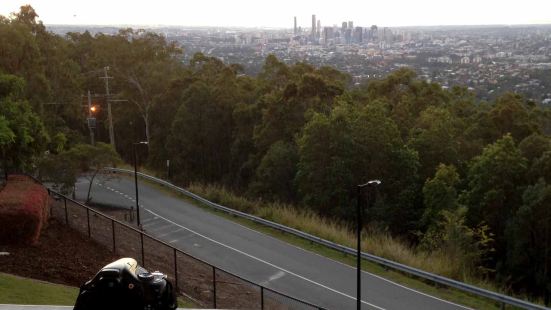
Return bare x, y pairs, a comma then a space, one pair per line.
203, 283
500, 298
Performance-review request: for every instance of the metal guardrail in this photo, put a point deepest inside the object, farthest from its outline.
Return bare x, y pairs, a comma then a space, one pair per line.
502, 299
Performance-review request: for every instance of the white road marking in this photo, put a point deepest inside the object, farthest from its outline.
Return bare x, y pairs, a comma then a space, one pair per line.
172, 241
169, 233
276, 276
148, 224
263, 261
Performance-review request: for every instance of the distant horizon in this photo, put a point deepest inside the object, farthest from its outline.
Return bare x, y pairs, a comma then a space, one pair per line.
280, 14
291, 28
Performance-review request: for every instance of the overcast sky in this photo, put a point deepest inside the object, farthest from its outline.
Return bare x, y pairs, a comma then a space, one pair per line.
280, 13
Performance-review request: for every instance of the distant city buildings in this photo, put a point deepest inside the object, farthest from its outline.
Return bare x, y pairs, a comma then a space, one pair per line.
487, 60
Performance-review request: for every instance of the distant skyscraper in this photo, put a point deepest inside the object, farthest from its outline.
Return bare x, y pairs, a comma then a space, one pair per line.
358, 35
344, 26
374, 33
328, 35
350, 25
318, 29
313, 26
295, 29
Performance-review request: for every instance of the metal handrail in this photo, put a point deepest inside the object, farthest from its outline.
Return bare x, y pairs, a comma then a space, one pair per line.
501, 298
144, 234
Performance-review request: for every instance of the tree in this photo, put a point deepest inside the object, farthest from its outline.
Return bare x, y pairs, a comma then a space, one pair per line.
325, 170
451, 235
439, 193
201, 146
351, 145
23, 136
436, 138
495, 182
87, 160
528, 264
275, 175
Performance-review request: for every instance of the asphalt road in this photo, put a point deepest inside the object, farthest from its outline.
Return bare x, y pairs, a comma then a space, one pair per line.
255, 256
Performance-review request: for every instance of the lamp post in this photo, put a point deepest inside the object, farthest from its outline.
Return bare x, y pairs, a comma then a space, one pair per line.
136, 178
359, 218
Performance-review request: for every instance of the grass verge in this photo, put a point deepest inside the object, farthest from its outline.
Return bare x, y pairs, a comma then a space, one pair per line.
25, 291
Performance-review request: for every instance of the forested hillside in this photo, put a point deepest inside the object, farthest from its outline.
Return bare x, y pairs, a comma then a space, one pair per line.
462, 177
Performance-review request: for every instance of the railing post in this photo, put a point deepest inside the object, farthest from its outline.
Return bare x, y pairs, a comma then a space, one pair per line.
214, 285
113, 229
262, 297
88, 221
502, 307
143, 256
175, 270
66, 212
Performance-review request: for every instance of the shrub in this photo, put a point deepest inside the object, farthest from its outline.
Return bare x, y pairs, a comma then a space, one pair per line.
24, 210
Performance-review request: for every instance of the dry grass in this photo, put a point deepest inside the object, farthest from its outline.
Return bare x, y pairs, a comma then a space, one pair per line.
375, 242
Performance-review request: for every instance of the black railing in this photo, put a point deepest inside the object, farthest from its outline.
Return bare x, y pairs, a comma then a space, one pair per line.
203, 283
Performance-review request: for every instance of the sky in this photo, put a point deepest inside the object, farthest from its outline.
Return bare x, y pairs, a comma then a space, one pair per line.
280, 13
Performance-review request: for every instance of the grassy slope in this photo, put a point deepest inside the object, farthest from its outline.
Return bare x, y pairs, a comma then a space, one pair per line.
17, 290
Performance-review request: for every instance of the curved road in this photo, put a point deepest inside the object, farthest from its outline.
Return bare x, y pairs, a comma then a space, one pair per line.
255, 256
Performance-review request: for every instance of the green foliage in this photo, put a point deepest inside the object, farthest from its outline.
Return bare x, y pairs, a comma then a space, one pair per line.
529, 234
276, 172
22, 134
436, 138
63, 169
468, 246
440, 193
348, 147
495, 182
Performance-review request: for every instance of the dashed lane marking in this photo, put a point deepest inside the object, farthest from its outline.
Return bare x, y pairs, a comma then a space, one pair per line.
263, 261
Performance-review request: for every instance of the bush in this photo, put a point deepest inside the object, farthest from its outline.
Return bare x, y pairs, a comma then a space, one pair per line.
24, 210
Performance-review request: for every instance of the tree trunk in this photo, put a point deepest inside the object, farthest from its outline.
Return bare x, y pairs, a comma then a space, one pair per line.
88, 198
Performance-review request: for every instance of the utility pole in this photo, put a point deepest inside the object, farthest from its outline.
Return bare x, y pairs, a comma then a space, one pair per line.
91, 119
109, 114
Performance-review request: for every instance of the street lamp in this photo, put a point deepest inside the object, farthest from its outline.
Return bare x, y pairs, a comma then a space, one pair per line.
136, 178
359, 217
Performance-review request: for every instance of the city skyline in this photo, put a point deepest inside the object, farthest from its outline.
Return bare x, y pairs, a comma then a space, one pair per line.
246, 13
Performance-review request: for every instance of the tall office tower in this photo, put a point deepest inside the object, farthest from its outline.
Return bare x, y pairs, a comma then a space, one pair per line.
295, 29
327, 35
344, 26
374, 33
348, 36
358, 35
350, 25
313, 26
318, 29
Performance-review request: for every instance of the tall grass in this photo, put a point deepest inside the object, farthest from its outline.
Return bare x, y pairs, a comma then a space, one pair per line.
376, 242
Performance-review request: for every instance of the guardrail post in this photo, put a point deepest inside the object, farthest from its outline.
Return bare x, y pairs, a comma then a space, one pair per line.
113, 229
66, 212
175, 270
143, 256
502, 307
262, 297
88, 221
214, 285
